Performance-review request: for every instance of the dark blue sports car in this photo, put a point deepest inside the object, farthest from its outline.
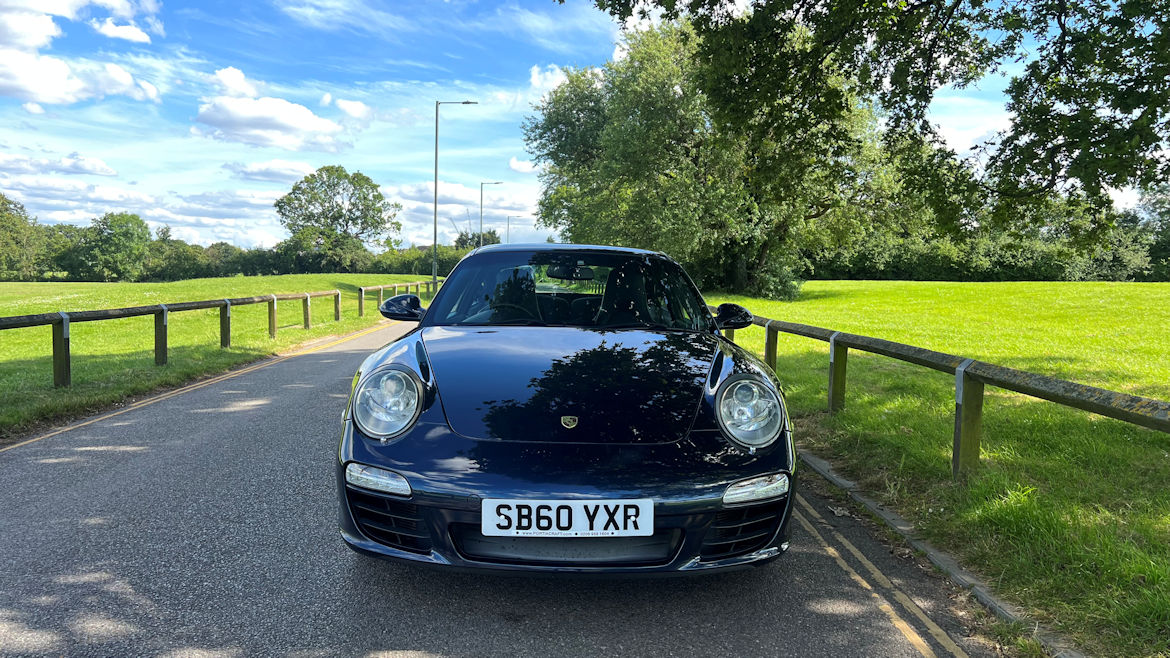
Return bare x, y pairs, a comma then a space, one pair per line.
566, 408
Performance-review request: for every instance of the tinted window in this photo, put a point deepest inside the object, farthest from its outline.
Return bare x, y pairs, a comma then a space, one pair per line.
562, 288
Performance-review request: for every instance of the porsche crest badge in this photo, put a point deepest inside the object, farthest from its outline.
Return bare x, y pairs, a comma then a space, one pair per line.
569, 422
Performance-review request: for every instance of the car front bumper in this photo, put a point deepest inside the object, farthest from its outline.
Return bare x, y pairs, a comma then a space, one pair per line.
438, 524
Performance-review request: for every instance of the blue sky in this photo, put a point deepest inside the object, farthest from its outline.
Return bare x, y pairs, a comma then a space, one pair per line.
200, 115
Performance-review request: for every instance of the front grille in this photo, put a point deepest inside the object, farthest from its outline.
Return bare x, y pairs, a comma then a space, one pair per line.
395, 523
656, 549
742, 530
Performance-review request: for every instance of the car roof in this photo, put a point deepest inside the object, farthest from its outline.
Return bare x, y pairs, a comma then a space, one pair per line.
561, 246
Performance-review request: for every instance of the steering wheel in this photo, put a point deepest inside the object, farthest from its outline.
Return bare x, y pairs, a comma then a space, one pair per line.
528, 313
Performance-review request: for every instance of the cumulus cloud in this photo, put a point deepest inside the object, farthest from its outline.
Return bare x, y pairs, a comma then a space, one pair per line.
355, 109
267, 121
26, 30
547, 79
278, 171
33, 108
326, 98
234, 82
522, 166
27, 26
129, 32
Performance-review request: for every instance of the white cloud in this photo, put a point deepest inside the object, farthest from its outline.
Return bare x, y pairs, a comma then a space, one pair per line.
73, 163
26, 26
522, 166
235, 83
279, 171
326, 98
547, 79
33, 108
267, 121
129, 32
355, 109
26, 30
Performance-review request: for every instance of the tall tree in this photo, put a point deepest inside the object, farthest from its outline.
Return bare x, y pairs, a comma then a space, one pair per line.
332, 213
633, 157
1089, 92
118, 248
20, 242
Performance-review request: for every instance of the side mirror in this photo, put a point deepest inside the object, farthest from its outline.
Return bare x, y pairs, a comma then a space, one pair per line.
733, 316
402, 307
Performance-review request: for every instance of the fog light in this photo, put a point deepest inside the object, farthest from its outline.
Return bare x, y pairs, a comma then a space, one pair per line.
768, 486
369, 477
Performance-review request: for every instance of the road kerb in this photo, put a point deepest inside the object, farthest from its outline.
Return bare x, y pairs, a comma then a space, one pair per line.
1056, 645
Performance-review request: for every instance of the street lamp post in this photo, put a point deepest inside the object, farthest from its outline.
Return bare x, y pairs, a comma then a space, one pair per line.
509, 238
498, 182
435, 241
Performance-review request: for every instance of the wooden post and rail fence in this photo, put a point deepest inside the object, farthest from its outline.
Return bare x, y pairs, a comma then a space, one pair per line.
60, 321
971, 376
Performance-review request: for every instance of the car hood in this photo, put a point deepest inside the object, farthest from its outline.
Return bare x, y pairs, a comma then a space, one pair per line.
524, 383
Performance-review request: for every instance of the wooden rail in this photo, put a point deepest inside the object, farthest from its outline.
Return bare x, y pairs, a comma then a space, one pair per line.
60, 321
970, 378
431, 289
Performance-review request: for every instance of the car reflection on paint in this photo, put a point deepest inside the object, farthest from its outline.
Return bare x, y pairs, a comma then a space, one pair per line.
566, 408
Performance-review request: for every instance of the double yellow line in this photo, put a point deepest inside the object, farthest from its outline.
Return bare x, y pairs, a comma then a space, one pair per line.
198, 385
884, 583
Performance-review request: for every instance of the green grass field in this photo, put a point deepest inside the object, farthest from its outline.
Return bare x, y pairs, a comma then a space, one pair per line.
1069, 514
113, 359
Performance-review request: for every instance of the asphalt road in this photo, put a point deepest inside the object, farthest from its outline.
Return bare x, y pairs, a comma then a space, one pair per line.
204, 523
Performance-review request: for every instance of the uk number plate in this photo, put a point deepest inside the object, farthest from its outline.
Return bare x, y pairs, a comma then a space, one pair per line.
501, 517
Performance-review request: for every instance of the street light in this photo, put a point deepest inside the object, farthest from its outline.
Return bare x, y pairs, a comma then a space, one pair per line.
498, 182
435, 243
509, 238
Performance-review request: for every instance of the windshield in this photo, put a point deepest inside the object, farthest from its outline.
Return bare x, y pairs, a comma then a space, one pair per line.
589, 289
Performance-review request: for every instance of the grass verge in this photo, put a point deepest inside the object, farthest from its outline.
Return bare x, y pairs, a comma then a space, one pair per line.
114, 359
1069, 514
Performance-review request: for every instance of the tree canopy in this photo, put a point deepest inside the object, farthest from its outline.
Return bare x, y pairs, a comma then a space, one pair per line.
634, 157
332, 214
1089, 89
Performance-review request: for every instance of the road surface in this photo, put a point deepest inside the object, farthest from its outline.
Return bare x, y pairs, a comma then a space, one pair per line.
203, 522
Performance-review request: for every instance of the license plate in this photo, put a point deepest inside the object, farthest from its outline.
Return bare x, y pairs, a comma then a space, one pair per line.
501, 517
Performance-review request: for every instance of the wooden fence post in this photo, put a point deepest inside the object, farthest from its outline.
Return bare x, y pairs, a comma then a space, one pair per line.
307, 318
160, 336
272, 318
838, 359
770, 336
337, 306
968, 421
382, 295
62, 369
361, 302
225, 324
396, 290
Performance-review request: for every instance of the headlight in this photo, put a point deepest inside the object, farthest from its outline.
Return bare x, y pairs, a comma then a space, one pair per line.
387, 402
749, 411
